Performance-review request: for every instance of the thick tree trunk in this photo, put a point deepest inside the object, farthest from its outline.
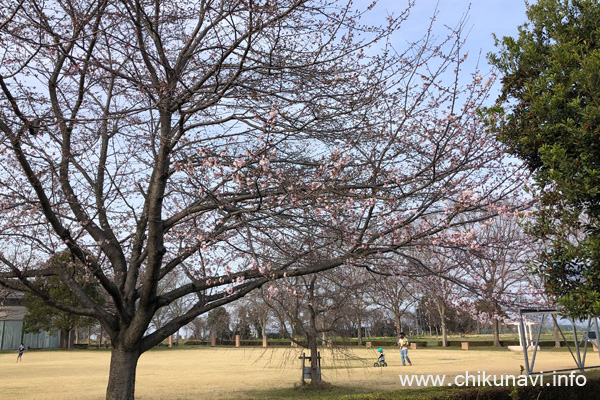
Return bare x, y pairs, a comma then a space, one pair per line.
121, 378
496, 327
398, 326
66, 339
444, 334
314, 362
311, 337
441, 307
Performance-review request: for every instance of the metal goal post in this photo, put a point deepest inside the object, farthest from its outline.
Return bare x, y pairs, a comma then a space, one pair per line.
590, 334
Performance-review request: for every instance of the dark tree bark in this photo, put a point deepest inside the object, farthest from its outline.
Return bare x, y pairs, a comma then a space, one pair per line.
312, 340
442, 311
496, 329
123, 364
359, 329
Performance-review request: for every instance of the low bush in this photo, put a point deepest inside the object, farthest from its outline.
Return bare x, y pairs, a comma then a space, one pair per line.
589, 391
490, 343
493, 393
542, 392
193, 342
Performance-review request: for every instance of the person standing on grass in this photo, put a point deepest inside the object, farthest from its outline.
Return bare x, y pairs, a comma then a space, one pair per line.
21, 350
403, 343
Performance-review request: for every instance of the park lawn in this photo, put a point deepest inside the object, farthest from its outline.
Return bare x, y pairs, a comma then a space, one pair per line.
246, 373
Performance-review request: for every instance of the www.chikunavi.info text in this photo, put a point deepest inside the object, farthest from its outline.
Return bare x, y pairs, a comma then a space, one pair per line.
481, 378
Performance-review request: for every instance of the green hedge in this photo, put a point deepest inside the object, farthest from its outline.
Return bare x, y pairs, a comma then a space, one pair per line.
494, 393
490, 343
193, 342
336, 343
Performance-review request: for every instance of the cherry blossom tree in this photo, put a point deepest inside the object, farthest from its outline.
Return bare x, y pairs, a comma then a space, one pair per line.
174, 309
441, 280
497, 264
200, 329
229, 141
393, 292
258, 312
360, 285
536, 294
308, 307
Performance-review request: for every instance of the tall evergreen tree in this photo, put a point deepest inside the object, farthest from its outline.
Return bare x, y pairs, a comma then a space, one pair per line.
549, 115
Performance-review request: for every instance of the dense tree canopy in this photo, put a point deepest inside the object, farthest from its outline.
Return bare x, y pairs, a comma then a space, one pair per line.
41, 316
549, 115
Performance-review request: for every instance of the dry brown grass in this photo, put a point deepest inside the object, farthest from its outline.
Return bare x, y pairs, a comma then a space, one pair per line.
230, 373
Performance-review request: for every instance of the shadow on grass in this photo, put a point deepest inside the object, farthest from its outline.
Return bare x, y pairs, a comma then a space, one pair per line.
323, 390
328, 391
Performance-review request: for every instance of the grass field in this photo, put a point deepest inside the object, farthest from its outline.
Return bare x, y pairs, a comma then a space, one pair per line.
246, 373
